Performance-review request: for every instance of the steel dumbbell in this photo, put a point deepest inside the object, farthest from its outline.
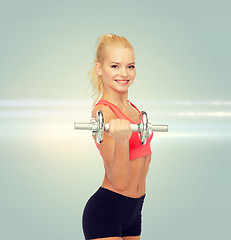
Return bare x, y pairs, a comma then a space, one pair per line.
144, 127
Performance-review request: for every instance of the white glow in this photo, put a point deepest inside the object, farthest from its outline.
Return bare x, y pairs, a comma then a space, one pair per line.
204, 114
47, 103
55, 118
191, 134
85, 114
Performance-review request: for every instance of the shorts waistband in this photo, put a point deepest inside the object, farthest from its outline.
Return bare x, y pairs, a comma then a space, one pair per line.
118, 195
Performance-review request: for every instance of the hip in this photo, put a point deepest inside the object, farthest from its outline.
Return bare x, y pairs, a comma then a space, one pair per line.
111, 206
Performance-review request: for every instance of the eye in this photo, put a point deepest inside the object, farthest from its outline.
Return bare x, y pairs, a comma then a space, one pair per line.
132, 66
114, 66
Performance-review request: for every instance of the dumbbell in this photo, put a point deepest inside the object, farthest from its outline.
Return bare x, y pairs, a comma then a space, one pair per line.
144, 127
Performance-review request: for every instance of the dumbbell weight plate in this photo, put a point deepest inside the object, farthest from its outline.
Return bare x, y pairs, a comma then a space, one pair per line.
143, 127
100, 127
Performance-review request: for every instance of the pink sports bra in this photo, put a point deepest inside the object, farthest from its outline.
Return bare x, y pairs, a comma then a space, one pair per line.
136, 149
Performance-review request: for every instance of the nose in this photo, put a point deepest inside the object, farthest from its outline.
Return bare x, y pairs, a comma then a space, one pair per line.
124, 72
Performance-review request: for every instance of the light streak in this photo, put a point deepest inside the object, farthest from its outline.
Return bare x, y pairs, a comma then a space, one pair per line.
47, 103
205, 114
66, 114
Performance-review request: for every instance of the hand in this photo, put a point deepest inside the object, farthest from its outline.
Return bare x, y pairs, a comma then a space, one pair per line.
119, 129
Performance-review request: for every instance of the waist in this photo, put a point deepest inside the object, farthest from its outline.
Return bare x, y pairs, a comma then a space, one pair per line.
130, 192
119, 196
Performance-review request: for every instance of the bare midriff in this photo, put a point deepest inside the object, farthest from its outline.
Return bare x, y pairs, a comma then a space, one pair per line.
137, 182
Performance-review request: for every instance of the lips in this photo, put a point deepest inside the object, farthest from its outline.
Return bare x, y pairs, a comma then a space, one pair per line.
122, 82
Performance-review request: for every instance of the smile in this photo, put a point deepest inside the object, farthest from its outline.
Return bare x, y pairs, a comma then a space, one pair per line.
122, 82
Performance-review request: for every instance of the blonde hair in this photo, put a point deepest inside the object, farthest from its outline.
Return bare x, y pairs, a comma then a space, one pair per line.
105, 40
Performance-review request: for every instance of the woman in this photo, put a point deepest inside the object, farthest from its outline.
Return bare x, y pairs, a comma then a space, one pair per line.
114, 211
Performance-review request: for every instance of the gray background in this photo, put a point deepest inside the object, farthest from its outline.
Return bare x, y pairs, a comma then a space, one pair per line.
48, 170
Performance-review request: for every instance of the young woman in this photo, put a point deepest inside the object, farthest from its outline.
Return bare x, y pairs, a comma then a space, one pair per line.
114, 211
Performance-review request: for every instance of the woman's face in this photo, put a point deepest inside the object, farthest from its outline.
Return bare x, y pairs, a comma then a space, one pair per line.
118, 69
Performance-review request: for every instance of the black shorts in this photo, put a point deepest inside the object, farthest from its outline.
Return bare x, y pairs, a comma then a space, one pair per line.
110, 214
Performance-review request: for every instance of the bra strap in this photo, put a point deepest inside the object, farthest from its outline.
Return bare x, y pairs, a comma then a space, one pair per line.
134, 106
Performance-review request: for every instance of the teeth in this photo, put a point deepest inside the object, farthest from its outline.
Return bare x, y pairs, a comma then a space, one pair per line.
122, 81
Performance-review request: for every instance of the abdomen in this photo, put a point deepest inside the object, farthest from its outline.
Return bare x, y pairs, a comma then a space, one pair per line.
137, 182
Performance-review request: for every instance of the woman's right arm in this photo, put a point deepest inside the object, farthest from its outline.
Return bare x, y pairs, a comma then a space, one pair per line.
115, 148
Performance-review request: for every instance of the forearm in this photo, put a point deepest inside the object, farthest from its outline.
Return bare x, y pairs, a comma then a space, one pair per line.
119, 171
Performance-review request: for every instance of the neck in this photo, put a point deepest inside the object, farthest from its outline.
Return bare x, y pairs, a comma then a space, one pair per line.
118, 99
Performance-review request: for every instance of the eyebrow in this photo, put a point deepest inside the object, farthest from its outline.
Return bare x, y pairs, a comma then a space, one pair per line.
119, 63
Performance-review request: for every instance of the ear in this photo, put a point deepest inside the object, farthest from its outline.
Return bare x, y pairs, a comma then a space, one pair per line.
98, 69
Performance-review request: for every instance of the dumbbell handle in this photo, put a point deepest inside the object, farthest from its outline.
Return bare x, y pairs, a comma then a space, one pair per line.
83, 126
134, 127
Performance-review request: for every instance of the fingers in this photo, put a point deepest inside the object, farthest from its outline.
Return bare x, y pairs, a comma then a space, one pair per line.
119, 125
119, 128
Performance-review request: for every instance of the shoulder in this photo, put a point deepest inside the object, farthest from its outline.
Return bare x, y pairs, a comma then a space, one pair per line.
107, 112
